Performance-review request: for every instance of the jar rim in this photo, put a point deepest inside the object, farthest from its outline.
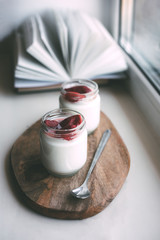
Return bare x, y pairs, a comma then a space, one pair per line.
61, 112
90, 83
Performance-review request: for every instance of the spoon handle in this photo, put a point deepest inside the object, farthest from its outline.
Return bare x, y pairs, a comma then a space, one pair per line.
99, 150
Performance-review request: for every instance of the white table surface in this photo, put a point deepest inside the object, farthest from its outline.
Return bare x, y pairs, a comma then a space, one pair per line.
133, 214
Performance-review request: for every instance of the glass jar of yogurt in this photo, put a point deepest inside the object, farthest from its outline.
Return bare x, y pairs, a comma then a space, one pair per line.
63, 141
82, 96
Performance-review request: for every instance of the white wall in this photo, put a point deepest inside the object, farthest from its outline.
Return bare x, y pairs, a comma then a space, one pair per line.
13, 12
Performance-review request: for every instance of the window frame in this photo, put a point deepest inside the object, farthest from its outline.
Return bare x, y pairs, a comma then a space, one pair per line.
143, 92
126, 11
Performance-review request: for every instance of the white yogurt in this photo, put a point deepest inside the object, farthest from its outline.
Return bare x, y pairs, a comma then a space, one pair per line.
60, 156
89, 106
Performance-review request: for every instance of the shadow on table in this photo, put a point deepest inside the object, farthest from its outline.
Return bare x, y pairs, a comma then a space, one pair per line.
6, 73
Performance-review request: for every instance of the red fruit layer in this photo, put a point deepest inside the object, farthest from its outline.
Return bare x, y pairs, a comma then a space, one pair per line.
71, 122
78, 89
67, 123
74, 94
51, 123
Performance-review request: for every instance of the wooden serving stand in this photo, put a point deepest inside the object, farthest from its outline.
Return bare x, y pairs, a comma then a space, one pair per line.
50, 195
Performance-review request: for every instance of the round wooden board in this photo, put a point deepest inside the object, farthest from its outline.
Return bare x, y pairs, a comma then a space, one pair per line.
50, 195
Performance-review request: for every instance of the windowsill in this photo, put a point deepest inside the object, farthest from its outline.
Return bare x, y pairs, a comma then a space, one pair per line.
147, 99
130, 214
145, 96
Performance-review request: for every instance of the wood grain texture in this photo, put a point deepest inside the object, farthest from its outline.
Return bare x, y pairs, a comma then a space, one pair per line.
50, 195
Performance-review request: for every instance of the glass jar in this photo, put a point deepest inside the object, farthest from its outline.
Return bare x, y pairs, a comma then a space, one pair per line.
63, 151
86, 100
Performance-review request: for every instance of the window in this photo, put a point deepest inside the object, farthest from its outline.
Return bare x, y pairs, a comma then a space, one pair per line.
140, 36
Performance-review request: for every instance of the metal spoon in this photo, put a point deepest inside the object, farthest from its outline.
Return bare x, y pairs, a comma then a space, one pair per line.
83, 191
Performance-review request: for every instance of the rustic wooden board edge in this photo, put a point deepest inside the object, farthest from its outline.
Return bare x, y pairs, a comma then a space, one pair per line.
63, 214
39, 209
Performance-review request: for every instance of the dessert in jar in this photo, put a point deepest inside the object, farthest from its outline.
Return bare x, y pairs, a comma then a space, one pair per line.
63, 141
82, 96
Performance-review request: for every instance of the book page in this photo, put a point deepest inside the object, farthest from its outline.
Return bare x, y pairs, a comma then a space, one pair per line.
102, 54
80, 36
39, 52
62, 32
27, 30
48, 27
27, 63
74, 36
93, 44
29, 74
21, 83
109, 61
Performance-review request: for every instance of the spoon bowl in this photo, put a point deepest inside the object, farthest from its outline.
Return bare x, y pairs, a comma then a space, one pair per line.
83, 192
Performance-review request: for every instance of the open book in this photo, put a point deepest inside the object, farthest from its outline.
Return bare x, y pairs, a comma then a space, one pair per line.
57, 46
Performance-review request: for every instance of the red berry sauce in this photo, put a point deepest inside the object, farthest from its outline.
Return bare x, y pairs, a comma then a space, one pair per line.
74, 94
63, 124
